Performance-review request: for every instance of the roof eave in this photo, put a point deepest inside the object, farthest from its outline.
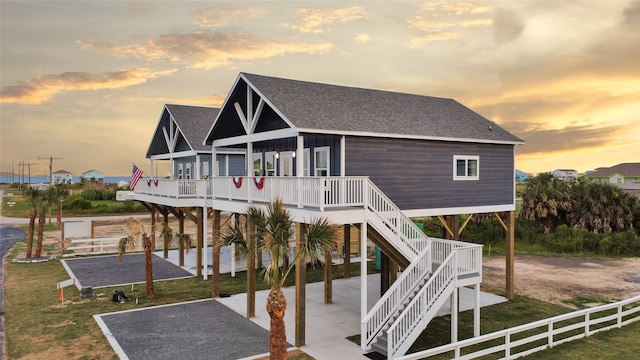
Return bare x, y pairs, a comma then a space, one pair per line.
405, 136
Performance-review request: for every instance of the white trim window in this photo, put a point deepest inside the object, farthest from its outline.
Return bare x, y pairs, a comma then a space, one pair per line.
466, 167
257, 164
305, 162
270, 163
321, 163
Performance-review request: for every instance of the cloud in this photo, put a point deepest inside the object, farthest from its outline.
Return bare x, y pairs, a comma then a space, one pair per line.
208, 50
507, 26
43, 88
445, 8
138, 9
223, 15
211, 101
443, 20
361, 38
318, 21
568, 139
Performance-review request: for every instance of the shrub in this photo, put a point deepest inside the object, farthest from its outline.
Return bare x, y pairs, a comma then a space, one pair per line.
78, 203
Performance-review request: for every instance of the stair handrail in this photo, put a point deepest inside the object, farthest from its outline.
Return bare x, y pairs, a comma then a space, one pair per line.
393, 298
405, 229
415, 311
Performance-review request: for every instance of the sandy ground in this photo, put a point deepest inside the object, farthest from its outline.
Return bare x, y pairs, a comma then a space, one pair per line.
548, 278
556, 279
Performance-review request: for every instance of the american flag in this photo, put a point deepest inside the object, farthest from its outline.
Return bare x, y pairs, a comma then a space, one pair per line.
136, 174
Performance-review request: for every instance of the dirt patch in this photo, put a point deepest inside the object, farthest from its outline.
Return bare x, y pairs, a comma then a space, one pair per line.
62, 324
558, 279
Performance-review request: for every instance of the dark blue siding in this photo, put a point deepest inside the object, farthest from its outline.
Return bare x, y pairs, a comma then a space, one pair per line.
237, 165
418, 174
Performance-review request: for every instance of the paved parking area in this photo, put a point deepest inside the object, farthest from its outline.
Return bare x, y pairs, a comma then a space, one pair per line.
103, 271
203, 329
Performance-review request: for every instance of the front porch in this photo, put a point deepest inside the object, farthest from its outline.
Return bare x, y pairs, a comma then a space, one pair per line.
306, 197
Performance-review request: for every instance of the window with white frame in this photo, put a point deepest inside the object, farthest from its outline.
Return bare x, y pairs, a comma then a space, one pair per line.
270, 163
466, 167
305, 162
257, 164
321, 163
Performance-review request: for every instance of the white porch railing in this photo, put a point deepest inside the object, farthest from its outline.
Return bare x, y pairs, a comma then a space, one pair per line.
469, 255
174, 188
314, 192
424, 306
543, 334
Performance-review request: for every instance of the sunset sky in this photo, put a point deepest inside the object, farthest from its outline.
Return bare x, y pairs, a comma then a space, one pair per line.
85, 81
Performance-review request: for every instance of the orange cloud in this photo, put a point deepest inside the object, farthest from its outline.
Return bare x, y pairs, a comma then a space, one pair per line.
317, 21
205, 50
212, 101
462, 15
42, 88
222, 15
443, 8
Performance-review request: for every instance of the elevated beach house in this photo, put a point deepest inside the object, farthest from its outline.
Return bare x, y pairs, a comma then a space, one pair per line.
363, 158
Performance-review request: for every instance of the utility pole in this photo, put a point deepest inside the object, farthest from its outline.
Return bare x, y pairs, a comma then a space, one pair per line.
29, 167
51, 158
21, 173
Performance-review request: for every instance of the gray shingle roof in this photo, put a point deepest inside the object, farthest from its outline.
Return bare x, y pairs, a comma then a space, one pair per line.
626, 169
341, 109
194, 122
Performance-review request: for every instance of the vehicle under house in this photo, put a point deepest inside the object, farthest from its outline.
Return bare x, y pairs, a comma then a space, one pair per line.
367, 160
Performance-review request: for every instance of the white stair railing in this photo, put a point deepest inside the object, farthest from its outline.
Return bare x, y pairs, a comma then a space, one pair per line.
390, 303
404, 235
395, 220
424, 306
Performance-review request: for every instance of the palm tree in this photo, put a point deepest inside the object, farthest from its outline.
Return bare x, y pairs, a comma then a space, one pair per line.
273, 230
166, 235
546, 199
137, 232
46, 199
602, 207
60, 192
184, 245
33, 195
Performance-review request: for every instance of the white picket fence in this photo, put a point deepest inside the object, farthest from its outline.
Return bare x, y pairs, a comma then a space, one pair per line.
540, 335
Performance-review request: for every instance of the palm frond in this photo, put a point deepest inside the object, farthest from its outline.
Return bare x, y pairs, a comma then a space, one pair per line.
166, 233
234, 235
125, 244
135, 227
319, 237
185, 239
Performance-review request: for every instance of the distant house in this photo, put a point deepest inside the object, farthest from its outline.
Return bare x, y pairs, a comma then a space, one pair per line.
565, 174
625, 175
521, 176
62, 177
93, 176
